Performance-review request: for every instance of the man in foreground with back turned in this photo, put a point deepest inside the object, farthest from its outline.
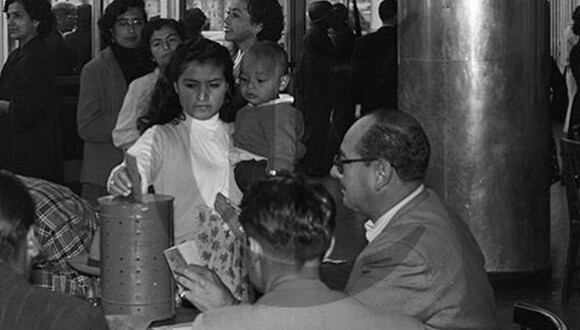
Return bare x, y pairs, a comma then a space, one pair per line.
289, 225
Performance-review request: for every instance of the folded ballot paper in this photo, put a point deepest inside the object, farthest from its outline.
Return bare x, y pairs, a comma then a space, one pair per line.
182, 255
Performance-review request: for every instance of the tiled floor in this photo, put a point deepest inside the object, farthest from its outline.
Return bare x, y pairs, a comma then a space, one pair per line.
350, 240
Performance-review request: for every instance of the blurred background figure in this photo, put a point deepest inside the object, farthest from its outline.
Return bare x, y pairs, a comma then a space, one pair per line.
65, 14
374, 72
573, 115
65, 21
343, 40
194, 21
313, 97
79, 40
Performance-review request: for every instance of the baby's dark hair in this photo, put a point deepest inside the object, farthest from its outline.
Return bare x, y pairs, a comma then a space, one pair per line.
271, 51
291, 218
165, 106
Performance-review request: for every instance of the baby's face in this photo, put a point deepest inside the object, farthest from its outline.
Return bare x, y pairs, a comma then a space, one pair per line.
260, 80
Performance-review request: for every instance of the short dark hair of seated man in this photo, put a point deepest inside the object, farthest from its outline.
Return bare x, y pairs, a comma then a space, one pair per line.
289, 225
23, 306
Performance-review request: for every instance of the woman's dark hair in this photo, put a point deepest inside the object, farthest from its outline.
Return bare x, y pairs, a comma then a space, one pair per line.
84, 17
293, 219
113, 10
17, 214
38, 10
194, 22
165, 106
157, 24
338, 15
269, 13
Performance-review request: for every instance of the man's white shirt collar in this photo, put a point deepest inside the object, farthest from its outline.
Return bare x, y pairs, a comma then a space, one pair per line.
373, 229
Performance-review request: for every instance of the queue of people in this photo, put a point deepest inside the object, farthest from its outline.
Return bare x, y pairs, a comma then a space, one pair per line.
205, 124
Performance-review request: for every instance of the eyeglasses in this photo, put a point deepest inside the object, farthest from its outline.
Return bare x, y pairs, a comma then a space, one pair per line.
127, 23
339, 162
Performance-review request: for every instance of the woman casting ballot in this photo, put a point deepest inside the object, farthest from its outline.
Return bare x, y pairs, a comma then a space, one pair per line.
185, 154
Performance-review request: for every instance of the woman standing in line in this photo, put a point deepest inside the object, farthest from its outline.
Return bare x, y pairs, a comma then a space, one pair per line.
246, 22
29, 132
184, 154
161, 37
104, 82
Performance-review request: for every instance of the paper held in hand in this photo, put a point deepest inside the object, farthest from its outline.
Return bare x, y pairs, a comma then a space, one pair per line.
131, 163
182, 255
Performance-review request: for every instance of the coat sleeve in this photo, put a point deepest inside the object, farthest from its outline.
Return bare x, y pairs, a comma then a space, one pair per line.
94, 122
282, 132
33, 96
393, 277
357, 71
146, 151
125, 132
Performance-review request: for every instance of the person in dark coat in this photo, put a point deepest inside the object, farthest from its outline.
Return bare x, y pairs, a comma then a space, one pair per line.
313, 95
28, 119
343, 40
193, 23
374, 71
61, 55
79, 41
575, 66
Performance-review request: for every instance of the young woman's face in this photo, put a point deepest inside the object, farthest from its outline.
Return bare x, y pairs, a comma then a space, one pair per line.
163, 43
128, 27
238, 24
20, 26
202, 89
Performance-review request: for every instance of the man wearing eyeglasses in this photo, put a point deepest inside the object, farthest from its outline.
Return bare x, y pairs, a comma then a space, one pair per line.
421, 260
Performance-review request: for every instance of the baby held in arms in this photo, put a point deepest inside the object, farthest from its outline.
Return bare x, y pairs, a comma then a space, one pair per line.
268, 131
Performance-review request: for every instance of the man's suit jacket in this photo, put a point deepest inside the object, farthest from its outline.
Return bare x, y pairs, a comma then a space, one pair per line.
426, 264
302, 304
101, 95
374, 70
